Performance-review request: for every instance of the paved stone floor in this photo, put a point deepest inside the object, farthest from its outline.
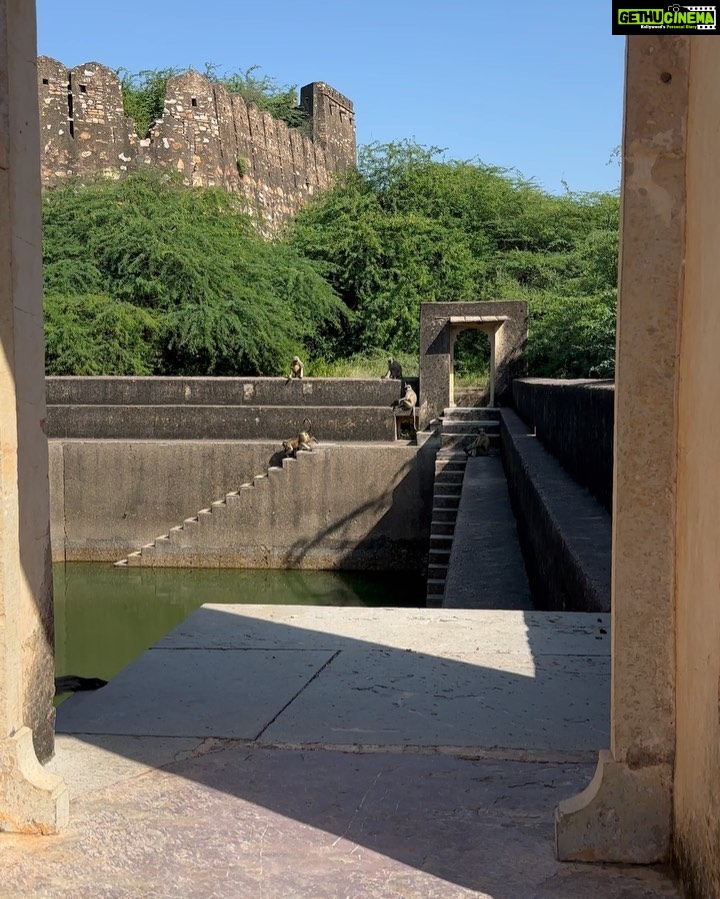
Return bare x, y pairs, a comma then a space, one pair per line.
274, 752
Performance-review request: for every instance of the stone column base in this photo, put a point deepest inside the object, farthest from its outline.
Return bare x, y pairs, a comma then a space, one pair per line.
623, 816
32, 800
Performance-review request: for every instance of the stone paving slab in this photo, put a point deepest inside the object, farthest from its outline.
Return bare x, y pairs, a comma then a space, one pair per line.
194, 693
453, 633
507, 683
234, 821
386, 697
207, 817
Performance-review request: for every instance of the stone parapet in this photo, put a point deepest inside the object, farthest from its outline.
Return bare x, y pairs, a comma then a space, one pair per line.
235, 391
573, 420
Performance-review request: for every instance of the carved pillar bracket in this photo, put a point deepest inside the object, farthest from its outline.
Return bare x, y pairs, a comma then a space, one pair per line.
32, 800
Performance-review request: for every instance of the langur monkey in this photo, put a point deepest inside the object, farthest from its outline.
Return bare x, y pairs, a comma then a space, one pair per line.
394, 370
297, 369
407, 402
480, 445
302, 443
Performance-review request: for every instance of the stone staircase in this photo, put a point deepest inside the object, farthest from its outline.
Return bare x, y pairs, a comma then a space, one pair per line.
458, 428
200, 530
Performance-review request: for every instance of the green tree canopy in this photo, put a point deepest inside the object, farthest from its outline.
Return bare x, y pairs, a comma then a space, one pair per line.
182, 269
407, 227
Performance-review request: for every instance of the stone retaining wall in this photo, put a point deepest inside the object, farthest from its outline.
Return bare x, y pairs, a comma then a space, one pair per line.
371, 501
235, 391
220, 408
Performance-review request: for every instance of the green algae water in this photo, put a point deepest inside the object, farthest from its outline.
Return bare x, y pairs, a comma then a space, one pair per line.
105, 616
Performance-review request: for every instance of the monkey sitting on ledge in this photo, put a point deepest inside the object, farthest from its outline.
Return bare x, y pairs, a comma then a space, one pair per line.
406, 403
394, 370
297, 369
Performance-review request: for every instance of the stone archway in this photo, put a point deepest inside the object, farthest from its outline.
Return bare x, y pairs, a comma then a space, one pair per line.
505, 323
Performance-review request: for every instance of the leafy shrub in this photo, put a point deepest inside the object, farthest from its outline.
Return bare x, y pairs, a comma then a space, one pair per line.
407, 227
225, 301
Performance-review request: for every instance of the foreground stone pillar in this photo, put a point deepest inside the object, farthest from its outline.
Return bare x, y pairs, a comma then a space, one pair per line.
625, 814
31, 800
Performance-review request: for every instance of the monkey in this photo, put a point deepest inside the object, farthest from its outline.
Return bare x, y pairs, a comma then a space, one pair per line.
407, 402
480, 445
302, 443
297, 369
394, 370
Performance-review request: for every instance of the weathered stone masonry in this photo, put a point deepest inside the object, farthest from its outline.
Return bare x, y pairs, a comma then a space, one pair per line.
212, 138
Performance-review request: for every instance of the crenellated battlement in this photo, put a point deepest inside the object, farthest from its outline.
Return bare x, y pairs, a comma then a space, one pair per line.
207, 135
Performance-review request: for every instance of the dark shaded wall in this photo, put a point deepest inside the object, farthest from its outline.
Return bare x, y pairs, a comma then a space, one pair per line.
565, 535
574, 420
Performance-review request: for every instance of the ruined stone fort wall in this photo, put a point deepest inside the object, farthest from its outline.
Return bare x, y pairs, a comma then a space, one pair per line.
212, 138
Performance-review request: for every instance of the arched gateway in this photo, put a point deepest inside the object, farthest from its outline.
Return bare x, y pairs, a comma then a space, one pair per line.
505, 323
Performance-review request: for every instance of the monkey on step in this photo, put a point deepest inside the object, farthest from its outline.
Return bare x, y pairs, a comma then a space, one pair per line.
480, 445
302, 443
406, 403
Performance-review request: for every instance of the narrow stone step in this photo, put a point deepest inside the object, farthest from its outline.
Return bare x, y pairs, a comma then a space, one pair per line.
446, 500
458, 464
442, 528
450, 476
448, 488
442, 515
470, 427
438, 558
435, 585
134, 559
474, 413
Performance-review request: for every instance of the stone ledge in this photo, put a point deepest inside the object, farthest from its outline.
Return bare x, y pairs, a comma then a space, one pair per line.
564, 533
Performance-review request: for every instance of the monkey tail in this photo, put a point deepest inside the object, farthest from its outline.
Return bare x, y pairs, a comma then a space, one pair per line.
307, 425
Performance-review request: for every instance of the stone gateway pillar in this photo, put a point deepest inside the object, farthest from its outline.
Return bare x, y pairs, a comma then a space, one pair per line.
31, 799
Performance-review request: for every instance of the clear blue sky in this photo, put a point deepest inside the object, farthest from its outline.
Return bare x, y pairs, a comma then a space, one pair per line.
525, 85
